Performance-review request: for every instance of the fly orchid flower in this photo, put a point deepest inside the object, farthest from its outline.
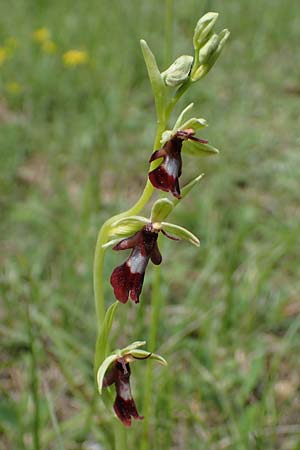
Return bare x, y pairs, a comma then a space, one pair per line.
115, 370
127, 279
166, 175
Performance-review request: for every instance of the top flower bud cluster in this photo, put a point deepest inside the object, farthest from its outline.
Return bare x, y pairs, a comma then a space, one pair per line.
207, 46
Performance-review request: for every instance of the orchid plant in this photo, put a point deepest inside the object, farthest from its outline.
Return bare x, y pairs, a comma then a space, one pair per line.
131, 231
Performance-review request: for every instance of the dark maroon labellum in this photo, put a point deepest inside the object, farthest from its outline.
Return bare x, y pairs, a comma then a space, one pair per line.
124, 405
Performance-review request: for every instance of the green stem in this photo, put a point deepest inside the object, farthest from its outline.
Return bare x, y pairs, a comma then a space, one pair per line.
120, 436
34, 383
168, 28
179, 93
154, 322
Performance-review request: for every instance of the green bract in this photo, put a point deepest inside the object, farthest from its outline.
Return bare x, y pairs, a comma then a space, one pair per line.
157, 83
186, 189
179, 71
102, 340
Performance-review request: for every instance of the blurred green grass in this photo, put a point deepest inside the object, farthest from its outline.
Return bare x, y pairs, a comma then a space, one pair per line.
74, 145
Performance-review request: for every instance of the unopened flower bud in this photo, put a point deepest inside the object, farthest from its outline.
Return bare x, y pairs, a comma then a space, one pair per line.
203, 28
209, 54
179, 71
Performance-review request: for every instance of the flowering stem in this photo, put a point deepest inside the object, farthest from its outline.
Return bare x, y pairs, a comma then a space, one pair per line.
155, 305
34, 382
120, 436
168, 28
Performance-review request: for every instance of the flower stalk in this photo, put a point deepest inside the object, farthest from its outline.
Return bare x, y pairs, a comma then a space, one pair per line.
129, 230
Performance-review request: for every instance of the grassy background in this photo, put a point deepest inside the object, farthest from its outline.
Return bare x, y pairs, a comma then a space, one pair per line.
74, 145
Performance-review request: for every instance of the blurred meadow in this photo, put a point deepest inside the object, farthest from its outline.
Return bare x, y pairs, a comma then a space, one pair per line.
77, 124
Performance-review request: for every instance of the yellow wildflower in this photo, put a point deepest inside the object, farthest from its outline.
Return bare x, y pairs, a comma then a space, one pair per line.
75, 57
3, 55
49, 46
41, 35
13, 87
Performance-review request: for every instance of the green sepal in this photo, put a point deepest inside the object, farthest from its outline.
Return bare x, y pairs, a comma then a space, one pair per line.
179, 71
156, 80
131, 347
103, 369
161, 209
126, 227
203, 28
181, 233
194, 123
143, 354
195, 148
179, 120
102, 339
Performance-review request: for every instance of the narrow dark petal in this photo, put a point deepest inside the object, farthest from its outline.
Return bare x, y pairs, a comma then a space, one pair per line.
110, 377
125, 409
169, 236
155, 255
161, 153
203, 141
127, 243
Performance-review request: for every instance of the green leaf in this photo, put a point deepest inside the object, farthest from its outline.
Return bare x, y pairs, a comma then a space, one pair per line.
142, 354
181, 233
103, 369
161, 209
156, 80
194, 148
127, 226
102, 339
